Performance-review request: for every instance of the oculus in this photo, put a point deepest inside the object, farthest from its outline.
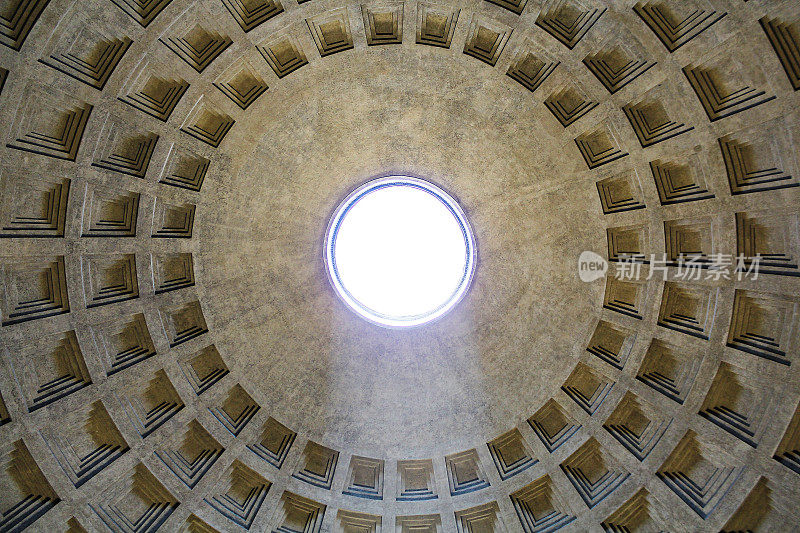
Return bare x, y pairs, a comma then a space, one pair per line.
399, 251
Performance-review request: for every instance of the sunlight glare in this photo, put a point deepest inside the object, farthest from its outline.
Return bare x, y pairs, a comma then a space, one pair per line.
402, 253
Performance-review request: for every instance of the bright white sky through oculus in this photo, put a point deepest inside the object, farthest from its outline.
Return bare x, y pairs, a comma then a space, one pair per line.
400, 252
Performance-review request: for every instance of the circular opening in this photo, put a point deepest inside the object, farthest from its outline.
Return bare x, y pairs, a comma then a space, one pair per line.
399, 251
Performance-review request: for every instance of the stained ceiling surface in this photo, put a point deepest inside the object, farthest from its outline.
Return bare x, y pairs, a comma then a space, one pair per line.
174, 357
